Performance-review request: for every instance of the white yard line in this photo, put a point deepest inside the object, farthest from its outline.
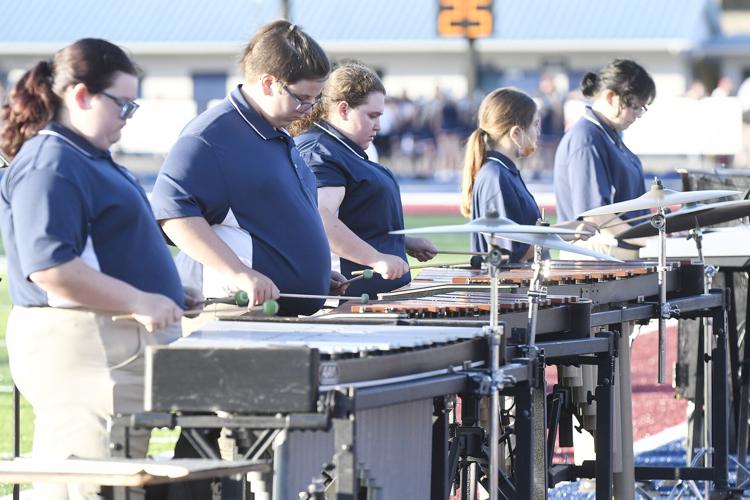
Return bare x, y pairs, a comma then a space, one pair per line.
660, 439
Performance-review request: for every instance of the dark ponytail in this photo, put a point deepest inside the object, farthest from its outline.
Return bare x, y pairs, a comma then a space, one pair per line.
31, 105
36, 98
589, 84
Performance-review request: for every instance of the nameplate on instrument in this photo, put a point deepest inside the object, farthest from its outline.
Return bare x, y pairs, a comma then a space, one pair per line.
329, 373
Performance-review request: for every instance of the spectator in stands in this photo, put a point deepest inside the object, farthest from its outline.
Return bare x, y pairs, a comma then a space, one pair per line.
551, 120
697, 90
724, 88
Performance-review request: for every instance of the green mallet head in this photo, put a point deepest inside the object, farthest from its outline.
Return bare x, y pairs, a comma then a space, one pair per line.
367, 274
241, 298
270, 307
364, 298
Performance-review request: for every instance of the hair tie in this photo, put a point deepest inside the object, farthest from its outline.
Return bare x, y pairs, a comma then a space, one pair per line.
291, 27
46, 69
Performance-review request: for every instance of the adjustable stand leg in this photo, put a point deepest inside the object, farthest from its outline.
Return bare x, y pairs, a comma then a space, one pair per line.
343, 458
524, 461
16, 435
605, 407
440, 476
720, 403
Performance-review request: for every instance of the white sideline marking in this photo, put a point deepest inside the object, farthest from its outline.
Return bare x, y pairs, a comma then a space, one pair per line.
660, 438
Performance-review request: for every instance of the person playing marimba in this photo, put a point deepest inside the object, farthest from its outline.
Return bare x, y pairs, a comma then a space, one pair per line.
358, 199
82, 243
235, 167
508, 130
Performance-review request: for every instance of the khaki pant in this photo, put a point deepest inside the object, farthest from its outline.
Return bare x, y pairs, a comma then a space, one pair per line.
77, 368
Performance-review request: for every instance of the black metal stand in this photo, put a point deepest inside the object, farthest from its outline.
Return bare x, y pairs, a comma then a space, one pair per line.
718, 473
16, 434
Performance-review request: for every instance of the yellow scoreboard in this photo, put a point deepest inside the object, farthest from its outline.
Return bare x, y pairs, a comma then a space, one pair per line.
466, 18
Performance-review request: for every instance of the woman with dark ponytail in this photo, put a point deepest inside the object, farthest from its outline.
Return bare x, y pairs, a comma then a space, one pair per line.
82, 244
359, 200
593, 167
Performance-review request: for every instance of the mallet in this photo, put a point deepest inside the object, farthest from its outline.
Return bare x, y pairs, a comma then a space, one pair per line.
366, 274
242, 299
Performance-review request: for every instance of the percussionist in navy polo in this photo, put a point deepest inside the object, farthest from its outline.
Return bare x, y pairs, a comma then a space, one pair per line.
236, 166
593, 167
359, 200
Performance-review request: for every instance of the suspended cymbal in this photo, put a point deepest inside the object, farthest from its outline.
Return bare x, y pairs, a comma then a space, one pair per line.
554, 241
702, 215
658, 197
491, 224
544, 236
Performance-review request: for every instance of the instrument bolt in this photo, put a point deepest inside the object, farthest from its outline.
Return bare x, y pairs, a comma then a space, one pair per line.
605, 381
525, 414
116, 446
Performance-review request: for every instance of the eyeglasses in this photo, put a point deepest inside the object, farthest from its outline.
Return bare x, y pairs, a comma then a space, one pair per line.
302, 105
127, 107
639, 110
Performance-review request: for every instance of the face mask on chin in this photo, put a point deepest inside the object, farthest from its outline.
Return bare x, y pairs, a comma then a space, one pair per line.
526, 151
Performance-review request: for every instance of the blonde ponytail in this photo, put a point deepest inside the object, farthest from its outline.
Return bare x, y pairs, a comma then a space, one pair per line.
476, 154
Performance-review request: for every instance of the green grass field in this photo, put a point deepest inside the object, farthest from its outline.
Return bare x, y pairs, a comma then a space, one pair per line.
164, 438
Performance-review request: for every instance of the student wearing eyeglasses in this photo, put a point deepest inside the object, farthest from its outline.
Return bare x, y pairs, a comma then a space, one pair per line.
235, 195
358, 199
82, 244
593, 166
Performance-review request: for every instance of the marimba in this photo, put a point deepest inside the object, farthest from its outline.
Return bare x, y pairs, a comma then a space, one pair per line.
336, 376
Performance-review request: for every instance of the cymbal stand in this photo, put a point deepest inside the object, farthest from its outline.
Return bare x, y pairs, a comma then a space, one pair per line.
659, 221
537, 293
494, 336
709, 271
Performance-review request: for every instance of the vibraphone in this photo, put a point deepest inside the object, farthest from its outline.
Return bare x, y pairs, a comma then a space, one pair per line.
586, 302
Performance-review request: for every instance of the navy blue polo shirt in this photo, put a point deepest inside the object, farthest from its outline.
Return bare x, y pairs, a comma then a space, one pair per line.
499, 186
371, 206
593, 167
62, 196
230, 157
